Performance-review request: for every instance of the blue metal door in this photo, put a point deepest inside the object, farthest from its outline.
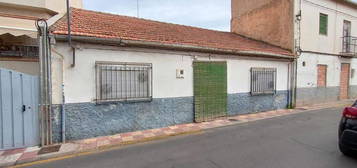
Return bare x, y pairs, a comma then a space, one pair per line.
19, 123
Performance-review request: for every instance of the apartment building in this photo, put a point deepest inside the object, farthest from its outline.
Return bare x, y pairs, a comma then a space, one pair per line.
320, 32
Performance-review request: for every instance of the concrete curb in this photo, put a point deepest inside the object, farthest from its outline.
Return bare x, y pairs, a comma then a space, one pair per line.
74, 153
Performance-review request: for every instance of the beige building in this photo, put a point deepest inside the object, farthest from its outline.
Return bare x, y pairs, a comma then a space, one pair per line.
18, 34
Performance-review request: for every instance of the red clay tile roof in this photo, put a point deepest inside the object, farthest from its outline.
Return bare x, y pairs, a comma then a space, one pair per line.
103, 25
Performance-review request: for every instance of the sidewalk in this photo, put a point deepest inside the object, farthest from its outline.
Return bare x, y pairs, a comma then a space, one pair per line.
87, 146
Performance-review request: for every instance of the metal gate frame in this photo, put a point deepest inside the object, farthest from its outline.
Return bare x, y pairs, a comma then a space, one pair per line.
210, 97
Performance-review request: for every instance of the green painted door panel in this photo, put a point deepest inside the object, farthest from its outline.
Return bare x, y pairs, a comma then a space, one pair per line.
210, 90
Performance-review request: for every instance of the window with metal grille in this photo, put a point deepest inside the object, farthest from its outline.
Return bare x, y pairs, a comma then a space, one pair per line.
263, 81
123, 82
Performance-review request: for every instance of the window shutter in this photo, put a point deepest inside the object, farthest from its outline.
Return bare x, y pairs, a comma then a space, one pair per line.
323, 24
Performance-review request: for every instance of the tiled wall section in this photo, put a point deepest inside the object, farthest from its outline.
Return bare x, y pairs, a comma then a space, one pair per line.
243, 103
87, 120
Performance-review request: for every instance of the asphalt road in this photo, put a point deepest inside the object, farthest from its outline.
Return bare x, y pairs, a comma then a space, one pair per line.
305, 140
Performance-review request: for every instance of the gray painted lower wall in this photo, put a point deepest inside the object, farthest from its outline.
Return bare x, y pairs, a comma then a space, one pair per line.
353, 91
314, 95
87, 120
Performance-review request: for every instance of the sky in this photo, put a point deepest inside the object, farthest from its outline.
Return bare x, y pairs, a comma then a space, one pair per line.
210, 14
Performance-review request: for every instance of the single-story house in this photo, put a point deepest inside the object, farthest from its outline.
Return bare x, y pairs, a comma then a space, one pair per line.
124, 74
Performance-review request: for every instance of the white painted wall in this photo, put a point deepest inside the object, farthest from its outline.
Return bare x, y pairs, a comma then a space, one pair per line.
32, 68
311, 40
307, 76
80, 80
353, 79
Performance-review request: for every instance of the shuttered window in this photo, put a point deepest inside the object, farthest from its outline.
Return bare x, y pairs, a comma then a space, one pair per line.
263, 81
123, 82
323, 24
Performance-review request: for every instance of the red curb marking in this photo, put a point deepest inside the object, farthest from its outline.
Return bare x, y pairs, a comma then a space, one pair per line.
126, 134
138, 136
102, 139
179, 130
114, 141
196, 127
158, 133
165, 129
88, 146
147, 131
13, 151
28, 155
182, 126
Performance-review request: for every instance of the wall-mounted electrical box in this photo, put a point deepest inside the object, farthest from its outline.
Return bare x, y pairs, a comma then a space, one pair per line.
180, 73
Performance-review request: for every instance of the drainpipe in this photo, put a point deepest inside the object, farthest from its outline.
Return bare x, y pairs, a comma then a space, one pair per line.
69, 38
70, 35
294, 83
63, 116
297, 52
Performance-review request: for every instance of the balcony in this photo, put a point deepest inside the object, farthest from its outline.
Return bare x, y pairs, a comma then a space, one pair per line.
349, 46
19, 51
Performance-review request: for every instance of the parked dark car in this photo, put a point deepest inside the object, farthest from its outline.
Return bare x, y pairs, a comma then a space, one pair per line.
348, 131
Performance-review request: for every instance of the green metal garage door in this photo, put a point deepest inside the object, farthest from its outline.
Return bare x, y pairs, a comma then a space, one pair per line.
210, 90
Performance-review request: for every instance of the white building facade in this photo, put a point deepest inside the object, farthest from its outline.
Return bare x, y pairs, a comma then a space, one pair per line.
108, 82
172, 96
320, 32
325, 35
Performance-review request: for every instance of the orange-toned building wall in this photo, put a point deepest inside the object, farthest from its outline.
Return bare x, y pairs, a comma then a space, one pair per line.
266, 20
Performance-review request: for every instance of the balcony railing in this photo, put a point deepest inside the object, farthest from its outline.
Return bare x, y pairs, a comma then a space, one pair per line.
18, 51
349, 45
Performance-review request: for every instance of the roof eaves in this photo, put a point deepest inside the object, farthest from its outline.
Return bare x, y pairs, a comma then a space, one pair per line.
181, 47
348, 3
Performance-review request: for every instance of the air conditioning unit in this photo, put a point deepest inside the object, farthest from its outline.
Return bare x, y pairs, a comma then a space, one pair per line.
180, 73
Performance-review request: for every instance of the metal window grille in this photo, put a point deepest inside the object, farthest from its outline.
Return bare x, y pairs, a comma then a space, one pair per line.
349, 45
19, 51
263, 81
123, 82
